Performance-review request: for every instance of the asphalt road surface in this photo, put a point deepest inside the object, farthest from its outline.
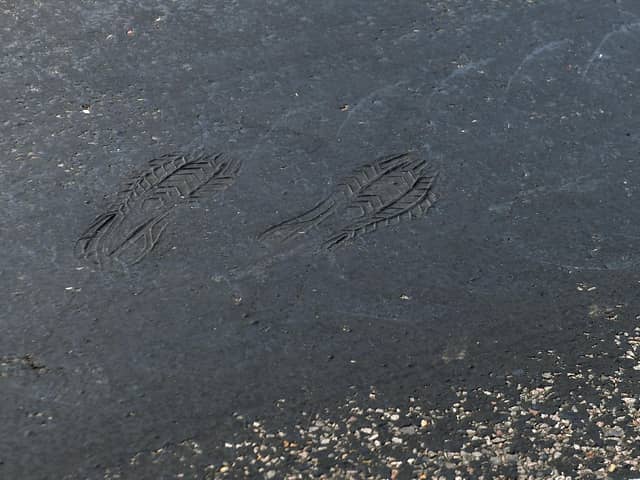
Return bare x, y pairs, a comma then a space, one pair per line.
319, 239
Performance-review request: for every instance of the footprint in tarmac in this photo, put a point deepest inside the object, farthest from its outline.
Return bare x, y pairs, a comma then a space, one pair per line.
133, 225
375, 195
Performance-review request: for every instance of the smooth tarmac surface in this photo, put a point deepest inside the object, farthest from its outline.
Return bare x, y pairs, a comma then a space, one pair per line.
276, 310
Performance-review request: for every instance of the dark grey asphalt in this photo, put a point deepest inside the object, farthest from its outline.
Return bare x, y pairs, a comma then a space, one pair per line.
511, 295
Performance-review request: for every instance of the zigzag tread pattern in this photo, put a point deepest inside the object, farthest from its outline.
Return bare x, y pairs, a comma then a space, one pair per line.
367, 175
352, 186
150, 196
412, 203
366, 190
